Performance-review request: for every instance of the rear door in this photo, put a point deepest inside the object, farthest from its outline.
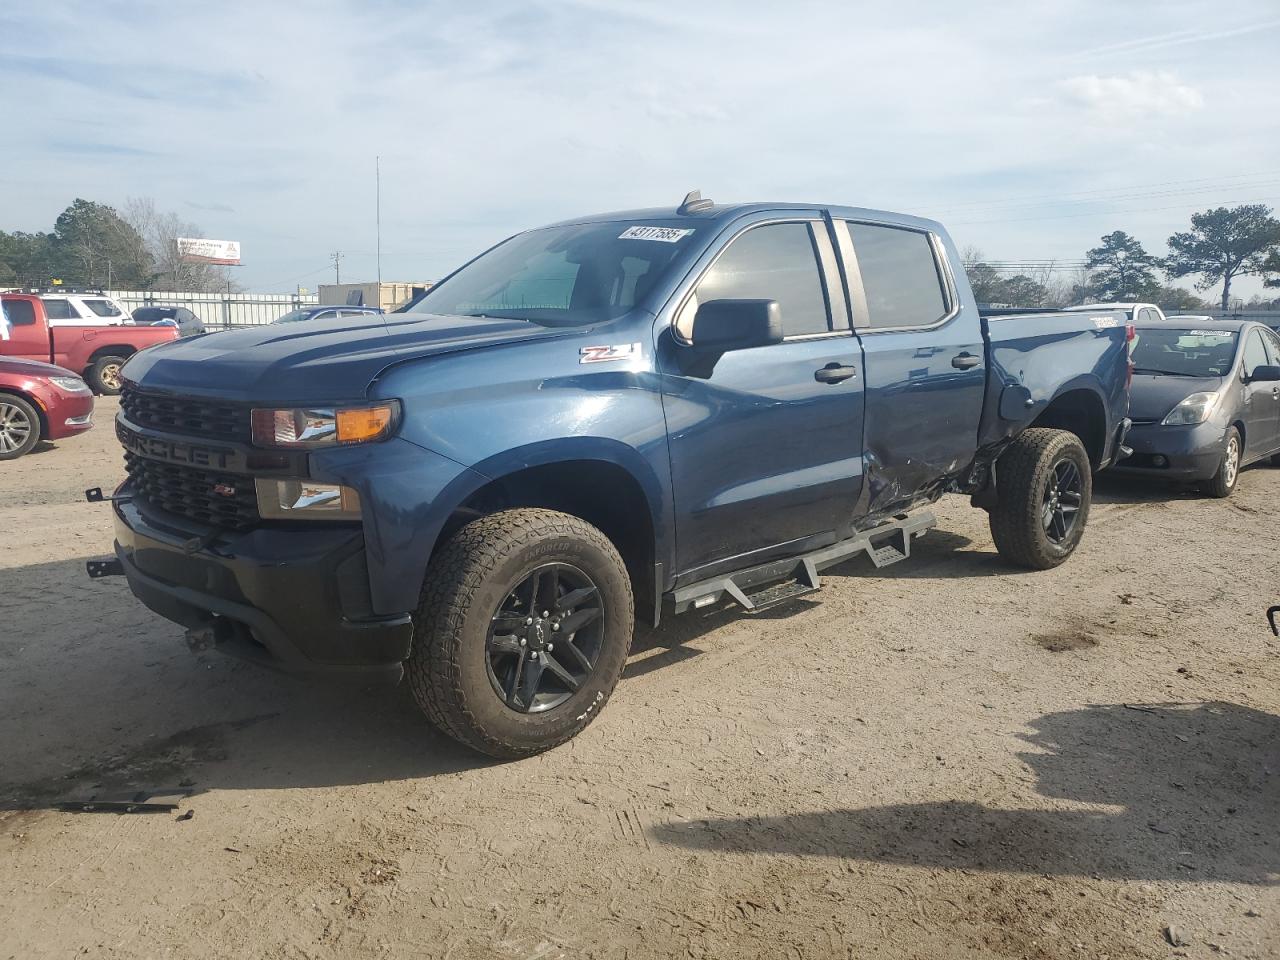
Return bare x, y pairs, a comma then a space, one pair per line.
925, 362
1261, 400
765, 450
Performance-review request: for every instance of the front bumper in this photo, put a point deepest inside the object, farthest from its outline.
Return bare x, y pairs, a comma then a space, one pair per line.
294, 599
1174, 452
67, 413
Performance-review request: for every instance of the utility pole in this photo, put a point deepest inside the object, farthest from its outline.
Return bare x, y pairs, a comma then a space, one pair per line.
336, 257
377, 174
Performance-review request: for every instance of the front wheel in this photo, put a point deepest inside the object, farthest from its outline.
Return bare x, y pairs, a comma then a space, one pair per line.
19, 427
1044, 485
104, 376
1223, 483
522, 632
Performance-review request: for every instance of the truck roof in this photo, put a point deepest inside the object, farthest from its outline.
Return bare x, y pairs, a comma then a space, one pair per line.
726, 212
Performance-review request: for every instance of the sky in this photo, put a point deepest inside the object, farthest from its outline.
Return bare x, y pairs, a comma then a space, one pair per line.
1029, 129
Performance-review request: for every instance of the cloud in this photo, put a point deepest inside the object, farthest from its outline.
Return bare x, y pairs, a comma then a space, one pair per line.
1138, 94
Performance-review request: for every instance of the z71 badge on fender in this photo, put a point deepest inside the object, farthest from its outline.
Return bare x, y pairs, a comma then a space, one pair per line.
607, 353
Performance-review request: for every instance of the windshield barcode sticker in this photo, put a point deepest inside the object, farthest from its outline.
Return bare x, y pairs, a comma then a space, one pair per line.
661, 234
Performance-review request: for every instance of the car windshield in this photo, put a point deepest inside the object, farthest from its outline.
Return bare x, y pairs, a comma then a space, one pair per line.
151, 314
1183, 352
294, 315
563, 276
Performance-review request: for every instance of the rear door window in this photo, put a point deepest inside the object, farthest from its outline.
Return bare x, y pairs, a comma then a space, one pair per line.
900, 276
103, 308
58, 310
18, 313
777, 261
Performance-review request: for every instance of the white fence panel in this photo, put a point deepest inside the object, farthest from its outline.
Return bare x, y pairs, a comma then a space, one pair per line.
219, 311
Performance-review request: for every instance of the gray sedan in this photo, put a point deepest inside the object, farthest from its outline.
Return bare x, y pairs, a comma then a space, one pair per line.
1205, 401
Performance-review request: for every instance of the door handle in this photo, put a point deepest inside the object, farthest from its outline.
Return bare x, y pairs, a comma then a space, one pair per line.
965, 361
834, 373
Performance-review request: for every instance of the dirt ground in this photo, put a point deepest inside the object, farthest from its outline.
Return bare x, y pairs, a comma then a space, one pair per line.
943, 759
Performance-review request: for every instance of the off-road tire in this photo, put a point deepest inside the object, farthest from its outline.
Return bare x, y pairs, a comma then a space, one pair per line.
104, 367
1223, 483
1022, 478
464, 585
20, 411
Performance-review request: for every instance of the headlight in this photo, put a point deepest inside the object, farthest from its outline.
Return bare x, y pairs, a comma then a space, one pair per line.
1195, 409
304, 500
70, 384
324, 426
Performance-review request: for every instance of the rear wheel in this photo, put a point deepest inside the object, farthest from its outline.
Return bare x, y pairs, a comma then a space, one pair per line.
1223, 483
524, 627
1044, 485
19, 427
104, 375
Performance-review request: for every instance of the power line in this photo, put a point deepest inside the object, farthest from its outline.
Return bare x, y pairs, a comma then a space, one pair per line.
1102, 213
1110, 190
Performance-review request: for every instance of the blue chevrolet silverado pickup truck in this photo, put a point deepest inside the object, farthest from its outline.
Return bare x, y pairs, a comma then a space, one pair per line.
593, 423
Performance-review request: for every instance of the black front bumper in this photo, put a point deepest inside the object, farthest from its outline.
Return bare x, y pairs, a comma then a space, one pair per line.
295, 599
1185, 452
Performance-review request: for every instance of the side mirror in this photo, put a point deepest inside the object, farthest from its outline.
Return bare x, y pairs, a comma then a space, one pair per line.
1264, 374
737, 324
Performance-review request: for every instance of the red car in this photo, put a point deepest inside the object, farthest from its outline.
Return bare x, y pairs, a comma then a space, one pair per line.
39, 401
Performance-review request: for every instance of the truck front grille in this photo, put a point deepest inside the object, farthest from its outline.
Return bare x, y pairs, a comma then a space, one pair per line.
225, 500
189, 416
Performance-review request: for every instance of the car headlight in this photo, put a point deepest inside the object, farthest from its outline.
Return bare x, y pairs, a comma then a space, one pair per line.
304, 500
70, 384
1194, 409
326, 426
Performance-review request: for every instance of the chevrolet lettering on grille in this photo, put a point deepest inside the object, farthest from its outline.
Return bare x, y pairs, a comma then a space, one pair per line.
170, 451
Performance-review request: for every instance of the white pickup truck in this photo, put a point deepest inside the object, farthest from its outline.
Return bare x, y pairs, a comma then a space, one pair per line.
1138, 313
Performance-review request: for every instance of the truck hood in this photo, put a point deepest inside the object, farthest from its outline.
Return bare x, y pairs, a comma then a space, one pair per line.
314, 361
1152, 396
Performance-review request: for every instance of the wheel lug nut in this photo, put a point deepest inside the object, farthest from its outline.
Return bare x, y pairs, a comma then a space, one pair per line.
545, 614
534, 655
523, 641
556, 625
528, 621
550, 647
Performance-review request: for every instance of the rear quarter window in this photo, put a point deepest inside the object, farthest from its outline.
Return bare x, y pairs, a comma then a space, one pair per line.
900, 276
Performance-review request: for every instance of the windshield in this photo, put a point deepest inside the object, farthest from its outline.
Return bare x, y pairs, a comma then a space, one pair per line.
294, 315
151, 314
562, 276
1187, 353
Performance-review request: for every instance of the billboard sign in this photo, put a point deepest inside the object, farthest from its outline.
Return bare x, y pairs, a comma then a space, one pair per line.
209, 251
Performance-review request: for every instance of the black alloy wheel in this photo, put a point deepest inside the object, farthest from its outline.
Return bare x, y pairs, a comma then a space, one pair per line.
545, 638
1063, 495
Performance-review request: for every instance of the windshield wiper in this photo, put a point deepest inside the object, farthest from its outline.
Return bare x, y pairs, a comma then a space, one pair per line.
1167, 373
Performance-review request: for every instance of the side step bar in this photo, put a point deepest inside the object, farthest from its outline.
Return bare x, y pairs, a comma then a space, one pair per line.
758, 588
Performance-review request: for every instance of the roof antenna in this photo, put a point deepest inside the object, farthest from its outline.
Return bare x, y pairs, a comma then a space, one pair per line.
693, 203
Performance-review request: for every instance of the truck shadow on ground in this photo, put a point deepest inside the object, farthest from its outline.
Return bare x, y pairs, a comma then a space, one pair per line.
1175, 792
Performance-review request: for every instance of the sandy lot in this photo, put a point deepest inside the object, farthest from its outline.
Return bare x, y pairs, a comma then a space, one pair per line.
945, 759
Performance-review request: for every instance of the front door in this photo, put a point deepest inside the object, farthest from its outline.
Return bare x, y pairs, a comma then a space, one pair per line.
1261, 401
21, 335
765, 449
